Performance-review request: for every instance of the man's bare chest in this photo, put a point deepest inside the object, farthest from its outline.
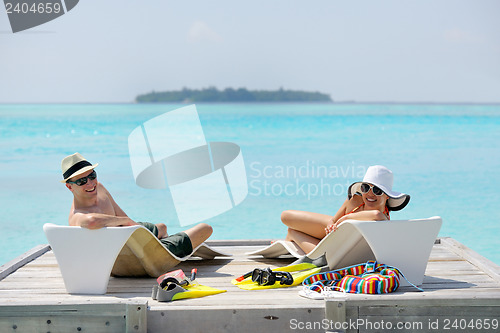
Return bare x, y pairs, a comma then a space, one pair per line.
102, 206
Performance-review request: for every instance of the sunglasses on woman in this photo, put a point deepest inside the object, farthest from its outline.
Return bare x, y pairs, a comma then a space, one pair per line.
82, 181
365, 188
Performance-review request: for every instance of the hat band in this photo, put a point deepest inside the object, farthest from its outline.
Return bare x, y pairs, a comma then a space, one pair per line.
75, 168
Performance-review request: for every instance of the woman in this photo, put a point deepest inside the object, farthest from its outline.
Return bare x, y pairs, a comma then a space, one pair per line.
369, 200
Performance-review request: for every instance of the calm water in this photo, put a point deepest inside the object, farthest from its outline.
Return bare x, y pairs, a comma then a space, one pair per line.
297, 156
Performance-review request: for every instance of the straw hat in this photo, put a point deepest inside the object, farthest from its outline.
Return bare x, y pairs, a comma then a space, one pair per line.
382, 177
74, 165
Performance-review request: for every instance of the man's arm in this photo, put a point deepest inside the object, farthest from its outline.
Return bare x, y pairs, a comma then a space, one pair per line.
118, 211
98, 220
111, 214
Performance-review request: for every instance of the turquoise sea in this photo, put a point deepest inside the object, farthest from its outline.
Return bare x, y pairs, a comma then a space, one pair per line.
297, 156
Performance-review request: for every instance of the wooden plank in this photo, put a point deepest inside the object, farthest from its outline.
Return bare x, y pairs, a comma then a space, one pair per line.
335, 310
249, 320
450, 280
15, 264
136, 317
232, 243
473, 257
75, 318
436, 310
427, 318
416, 317
404, 300
427, 324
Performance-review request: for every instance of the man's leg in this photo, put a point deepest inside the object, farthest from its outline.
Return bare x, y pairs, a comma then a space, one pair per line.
162, 230
199, 233
151, 227
183, 243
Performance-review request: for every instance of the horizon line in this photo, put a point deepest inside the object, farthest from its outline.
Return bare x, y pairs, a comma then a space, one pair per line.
270, 102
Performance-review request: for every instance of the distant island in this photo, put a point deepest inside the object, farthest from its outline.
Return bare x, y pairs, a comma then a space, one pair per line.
213, 95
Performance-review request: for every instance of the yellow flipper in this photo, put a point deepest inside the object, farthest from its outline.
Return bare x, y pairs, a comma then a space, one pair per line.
300, 272
196, 290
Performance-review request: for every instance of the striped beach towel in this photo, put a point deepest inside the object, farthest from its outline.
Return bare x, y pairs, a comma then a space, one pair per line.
366, 278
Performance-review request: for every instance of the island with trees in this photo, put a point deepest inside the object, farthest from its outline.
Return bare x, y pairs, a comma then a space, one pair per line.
230, 95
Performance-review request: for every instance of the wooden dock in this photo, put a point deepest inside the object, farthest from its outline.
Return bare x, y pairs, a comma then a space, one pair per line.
462, 293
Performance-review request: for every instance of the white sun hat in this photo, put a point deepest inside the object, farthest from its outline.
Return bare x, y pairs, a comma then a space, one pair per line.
382, 177
74, 165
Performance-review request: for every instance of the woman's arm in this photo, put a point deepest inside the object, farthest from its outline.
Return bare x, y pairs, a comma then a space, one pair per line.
366, 215
347, 206
341, 212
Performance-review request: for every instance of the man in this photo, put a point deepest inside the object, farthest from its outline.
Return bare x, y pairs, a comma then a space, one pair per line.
93, 208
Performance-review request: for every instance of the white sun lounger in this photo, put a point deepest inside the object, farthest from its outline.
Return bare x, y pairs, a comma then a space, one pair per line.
405, 244
87, 258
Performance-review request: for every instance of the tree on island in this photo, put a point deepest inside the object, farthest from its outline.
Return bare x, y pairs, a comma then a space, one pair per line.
214, 95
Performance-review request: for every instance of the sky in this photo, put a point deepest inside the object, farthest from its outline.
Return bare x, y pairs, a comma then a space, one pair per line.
365, 51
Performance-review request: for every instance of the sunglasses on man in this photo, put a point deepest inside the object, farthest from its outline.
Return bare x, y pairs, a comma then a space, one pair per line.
82, 181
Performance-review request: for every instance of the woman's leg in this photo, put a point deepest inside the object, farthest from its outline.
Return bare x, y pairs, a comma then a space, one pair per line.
305, 242
312, 224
